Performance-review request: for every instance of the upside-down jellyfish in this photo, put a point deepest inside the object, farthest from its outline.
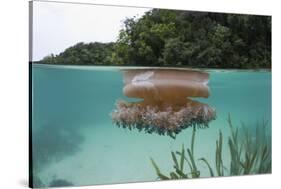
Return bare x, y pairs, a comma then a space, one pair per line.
165, 107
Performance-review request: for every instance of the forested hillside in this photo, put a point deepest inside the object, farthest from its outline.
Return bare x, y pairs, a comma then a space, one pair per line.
180, 38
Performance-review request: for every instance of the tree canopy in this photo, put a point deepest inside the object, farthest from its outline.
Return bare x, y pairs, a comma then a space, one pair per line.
180, 38
83, 54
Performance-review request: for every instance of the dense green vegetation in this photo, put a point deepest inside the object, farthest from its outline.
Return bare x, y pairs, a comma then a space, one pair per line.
83, 54
181, 38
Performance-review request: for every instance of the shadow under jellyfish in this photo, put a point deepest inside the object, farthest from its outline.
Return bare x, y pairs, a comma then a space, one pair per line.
165, 107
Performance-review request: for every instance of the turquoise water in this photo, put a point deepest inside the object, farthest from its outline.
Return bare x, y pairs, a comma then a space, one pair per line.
74, 139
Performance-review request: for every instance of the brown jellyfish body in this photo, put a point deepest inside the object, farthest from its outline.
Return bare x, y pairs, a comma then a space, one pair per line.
165, 106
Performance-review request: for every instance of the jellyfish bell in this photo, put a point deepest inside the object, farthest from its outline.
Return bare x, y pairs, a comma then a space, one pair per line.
168, 86
165, 107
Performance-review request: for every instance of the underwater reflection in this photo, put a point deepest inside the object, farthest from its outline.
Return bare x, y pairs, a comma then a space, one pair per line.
165, 107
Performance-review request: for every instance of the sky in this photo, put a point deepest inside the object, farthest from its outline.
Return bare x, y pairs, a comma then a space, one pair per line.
57, 26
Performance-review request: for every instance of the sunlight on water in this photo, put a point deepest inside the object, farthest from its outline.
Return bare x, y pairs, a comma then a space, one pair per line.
75, 140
